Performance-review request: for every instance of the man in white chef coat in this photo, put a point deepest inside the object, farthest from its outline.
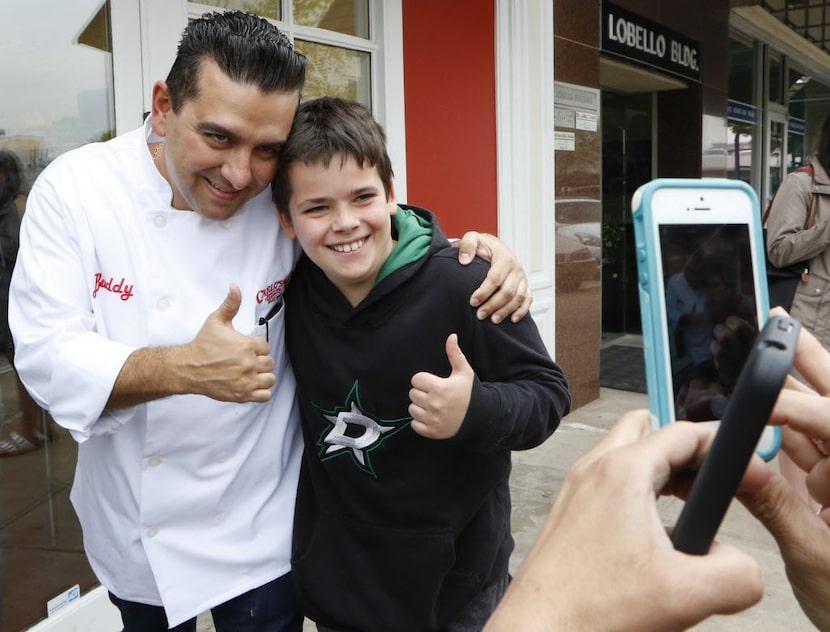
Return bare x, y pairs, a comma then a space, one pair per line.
189, 443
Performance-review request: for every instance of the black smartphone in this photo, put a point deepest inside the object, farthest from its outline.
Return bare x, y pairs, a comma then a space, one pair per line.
744, 418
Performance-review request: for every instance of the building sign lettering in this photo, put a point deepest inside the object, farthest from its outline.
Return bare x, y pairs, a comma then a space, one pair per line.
635, 38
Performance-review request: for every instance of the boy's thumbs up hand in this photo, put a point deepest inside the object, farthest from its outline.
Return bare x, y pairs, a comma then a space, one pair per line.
439, 404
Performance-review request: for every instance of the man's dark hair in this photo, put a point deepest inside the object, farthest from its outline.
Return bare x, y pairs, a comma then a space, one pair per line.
248, 49
328, 128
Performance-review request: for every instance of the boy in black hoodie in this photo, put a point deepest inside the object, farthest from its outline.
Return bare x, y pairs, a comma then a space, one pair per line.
410, 405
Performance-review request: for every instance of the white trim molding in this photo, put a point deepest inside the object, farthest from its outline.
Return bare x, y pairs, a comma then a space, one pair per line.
388, 86
525, 122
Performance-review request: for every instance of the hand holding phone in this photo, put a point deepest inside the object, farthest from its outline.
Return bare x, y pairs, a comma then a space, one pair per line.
745, 417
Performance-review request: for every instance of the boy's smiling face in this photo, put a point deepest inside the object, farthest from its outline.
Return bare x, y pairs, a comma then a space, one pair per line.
340, 215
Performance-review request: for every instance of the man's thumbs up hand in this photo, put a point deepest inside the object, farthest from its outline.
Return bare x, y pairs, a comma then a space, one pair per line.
226, 365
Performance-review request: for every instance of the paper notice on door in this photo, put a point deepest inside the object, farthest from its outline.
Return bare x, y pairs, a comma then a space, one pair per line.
564, 141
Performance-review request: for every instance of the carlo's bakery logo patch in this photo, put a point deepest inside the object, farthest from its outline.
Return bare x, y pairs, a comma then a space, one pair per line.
120, 287
273, 292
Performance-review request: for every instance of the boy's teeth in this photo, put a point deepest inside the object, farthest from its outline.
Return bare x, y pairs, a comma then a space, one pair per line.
349, 247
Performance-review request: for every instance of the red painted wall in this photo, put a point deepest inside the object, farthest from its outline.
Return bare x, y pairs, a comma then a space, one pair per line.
450, 100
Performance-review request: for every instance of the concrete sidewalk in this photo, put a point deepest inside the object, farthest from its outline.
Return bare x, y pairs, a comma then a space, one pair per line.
537, 477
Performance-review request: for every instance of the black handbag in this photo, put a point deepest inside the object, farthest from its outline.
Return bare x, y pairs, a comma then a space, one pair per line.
783, 282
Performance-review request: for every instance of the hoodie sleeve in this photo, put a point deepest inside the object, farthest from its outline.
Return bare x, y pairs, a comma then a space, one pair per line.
519, 395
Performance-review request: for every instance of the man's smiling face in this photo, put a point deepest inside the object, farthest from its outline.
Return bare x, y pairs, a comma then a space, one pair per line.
221, 149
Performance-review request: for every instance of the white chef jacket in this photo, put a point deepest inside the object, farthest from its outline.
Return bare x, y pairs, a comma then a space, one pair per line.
184, 502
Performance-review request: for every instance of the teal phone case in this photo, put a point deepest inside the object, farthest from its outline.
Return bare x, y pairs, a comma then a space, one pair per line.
648, 276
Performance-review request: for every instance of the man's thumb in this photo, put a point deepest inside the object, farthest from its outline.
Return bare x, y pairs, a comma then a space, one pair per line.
230, 306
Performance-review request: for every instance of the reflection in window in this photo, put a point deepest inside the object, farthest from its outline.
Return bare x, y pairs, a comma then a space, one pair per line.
740, 133
349, 17
56, 67
741, 70
775, 165
739, 151
336, 72
265, 8
58, 75
797, 149
775, 78
808, 105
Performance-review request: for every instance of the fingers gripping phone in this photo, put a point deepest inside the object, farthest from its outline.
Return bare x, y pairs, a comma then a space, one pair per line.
703, 295
746, 414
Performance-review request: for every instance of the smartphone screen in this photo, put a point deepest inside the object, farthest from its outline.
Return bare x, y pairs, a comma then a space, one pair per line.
711, 312
703, 296
702, 290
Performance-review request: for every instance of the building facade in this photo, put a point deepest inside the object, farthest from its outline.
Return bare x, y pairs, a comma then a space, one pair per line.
532, 119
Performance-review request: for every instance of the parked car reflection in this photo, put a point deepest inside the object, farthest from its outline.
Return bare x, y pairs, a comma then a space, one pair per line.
580, 219
578, 242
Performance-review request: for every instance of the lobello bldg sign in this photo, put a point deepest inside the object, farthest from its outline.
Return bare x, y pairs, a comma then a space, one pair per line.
635, 38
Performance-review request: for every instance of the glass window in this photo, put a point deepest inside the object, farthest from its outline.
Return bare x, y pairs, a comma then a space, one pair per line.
739, 150
266, 8
338, 64
741, 70
336, 72
349, 17
57, 73
742, 124
775, 166
797, 149
775, 78
808, 105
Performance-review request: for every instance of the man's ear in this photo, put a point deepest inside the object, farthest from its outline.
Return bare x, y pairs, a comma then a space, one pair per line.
162, 108
287, 226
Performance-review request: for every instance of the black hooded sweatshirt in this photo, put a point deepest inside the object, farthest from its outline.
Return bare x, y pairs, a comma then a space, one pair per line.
394, 531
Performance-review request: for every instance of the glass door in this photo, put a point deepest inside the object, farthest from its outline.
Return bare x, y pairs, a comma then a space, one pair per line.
57, 74
776, 150
626, 164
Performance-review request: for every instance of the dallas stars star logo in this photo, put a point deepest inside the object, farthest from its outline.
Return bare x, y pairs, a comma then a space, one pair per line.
355, 432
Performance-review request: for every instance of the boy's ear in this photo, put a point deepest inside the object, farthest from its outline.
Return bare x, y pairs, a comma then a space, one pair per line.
287, 226
391, 200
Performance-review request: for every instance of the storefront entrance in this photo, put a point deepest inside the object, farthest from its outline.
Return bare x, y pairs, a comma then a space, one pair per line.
627, 160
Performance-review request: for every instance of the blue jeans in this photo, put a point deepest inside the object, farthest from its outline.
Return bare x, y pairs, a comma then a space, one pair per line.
269, 608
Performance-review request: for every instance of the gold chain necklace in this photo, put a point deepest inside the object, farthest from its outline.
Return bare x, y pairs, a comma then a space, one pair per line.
156, 150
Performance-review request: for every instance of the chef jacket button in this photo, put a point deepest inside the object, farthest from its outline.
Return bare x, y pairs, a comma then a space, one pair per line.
152, 532
220, 517
163, 304
160, 221
154, 461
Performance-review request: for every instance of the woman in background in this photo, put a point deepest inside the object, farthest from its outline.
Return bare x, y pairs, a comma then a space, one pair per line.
28, 435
